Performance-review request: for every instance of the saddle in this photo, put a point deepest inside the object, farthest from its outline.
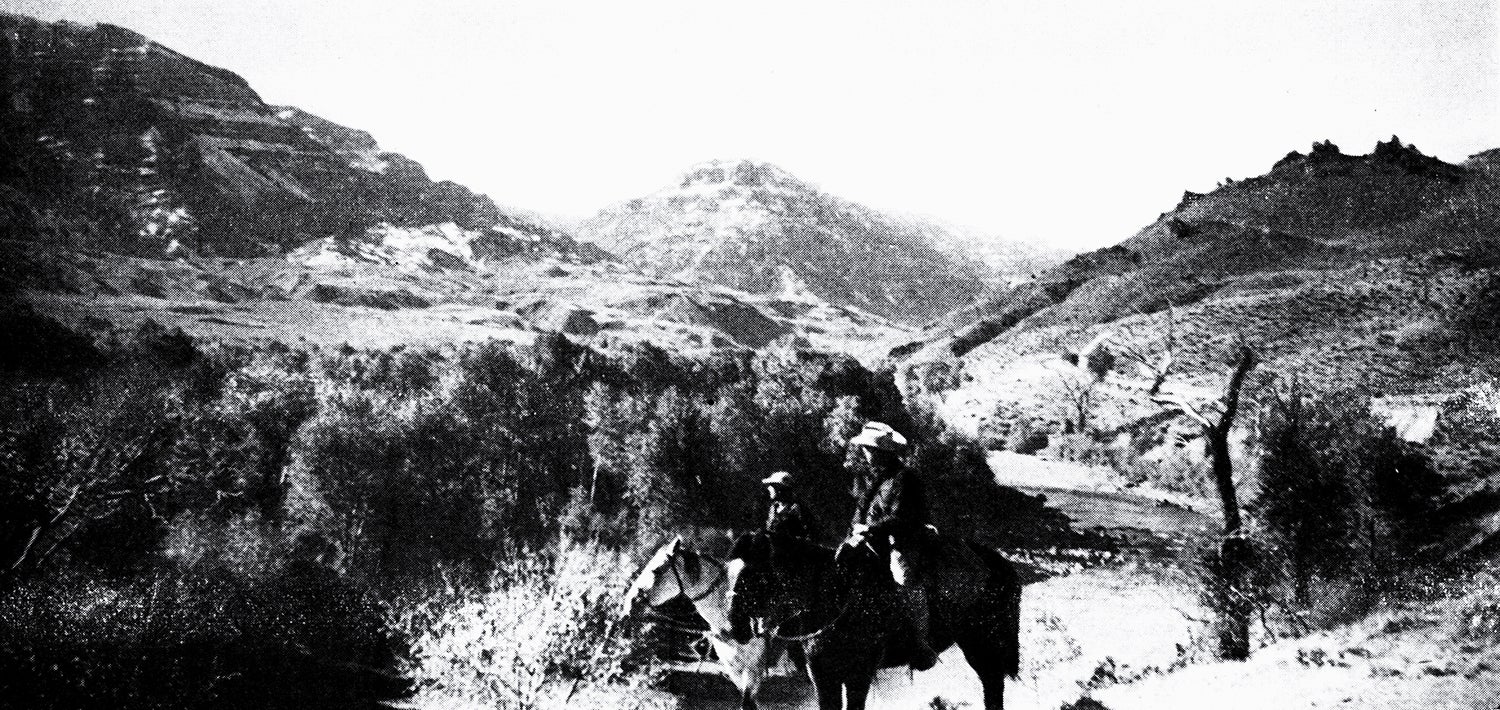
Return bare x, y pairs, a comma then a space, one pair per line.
949, 569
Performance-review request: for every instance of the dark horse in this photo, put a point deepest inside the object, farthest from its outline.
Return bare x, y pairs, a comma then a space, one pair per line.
842, 608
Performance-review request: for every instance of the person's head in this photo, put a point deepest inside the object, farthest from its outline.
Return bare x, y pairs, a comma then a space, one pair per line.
778, 484
881, 459
882, 445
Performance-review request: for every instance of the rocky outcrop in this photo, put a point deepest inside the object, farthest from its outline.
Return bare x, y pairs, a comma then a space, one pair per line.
1323, 209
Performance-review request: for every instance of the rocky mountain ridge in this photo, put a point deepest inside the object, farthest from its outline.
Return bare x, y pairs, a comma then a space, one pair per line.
116, 142
754, 227
1374, 275
1321, 210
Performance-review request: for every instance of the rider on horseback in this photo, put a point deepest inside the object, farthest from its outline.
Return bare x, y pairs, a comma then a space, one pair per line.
892, 519
785, 517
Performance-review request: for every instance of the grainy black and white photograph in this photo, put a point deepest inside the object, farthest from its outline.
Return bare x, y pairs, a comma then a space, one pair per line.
794, 355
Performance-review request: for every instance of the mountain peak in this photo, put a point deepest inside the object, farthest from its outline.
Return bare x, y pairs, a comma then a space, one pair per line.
740, 173
752, 226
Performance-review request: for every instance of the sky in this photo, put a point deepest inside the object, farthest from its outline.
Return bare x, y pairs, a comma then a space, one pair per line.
1063, 121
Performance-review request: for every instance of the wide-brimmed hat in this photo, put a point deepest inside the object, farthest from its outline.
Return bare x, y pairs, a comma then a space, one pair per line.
877, 435
780, 478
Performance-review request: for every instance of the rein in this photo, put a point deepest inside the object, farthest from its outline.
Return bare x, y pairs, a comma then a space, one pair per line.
843, 611
776, 631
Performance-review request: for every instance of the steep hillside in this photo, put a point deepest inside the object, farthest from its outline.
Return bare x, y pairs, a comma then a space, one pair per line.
1377, 273
1322, 212
753, 227
112, 141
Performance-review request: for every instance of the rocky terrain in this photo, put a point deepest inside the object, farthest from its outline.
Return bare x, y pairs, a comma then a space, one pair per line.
113, 141
753, 227
1392, 217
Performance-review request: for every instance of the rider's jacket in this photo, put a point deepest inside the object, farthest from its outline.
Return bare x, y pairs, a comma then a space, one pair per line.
894, 503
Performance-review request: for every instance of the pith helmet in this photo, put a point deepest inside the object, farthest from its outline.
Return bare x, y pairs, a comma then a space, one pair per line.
780, 478
877, 435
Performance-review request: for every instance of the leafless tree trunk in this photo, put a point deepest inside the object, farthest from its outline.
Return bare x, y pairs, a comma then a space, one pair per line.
1160, 366
1234, 642
102, 482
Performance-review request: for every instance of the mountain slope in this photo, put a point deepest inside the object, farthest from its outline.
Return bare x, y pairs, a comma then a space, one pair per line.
1377, 274
113, 141
140, 184
1321, 211
752, 226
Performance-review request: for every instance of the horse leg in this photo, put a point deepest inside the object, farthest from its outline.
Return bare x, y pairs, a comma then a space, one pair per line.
755, 661
827, 683
856, 690
986, 658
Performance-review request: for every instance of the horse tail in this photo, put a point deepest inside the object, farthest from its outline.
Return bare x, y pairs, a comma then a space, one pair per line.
1005, 586
1010, 630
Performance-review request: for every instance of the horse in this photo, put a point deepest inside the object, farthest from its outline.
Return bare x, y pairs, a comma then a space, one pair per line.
679, 570
840, 606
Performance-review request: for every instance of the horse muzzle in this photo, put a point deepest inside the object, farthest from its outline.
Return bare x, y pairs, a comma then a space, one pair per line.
631, 605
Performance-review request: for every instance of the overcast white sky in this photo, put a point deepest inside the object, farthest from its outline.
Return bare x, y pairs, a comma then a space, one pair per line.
1073, 122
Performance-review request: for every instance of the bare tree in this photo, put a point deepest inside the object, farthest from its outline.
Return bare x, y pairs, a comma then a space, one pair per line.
1159, 366
66, 464
1234, 551
1079, 374
1216, 426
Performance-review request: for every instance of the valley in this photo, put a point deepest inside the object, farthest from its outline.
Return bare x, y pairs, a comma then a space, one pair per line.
287, 422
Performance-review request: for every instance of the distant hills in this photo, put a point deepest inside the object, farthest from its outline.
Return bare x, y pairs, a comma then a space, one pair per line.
754, 227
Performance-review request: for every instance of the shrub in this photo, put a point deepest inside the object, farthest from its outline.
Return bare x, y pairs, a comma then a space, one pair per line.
37, 344
295, 636
1340, 495
80, 472
529, 636
407, 483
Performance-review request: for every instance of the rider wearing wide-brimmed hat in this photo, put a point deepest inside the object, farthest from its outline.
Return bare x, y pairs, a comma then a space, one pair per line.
892, 518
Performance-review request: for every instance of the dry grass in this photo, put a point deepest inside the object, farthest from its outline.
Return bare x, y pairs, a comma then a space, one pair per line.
539, 633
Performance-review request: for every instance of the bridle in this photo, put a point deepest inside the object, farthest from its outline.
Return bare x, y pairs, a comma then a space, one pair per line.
682, 587
682, 584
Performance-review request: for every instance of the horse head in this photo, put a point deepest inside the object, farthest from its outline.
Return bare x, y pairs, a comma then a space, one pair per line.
663, 577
